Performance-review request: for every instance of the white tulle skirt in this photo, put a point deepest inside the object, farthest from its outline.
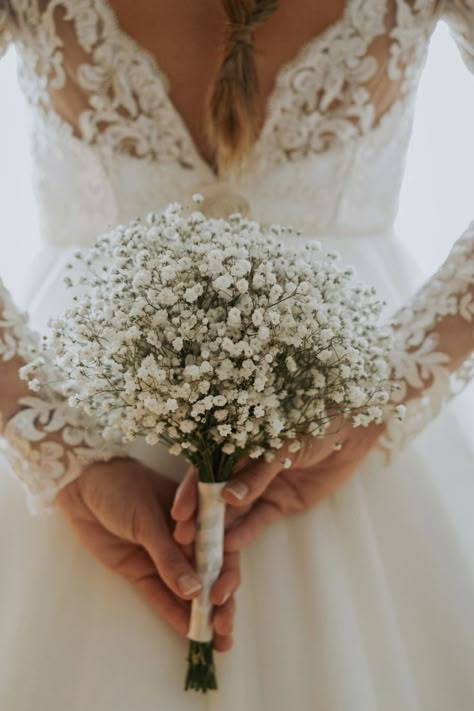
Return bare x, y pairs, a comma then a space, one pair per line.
364, 603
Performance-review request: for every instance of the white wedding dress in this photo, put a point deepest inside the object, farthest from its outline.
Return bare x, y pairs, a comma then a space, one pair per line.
364, 603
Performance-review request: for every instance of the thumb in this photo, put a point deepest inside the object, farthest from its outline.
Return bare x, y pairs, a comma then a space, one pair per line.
249, 483
169, 558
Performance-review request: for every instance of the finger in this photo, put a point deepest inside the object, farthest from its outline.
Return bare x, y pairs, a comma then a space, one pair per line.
137, 568
164, 602
223, 618
222, 643
185, 531
248, 484
262, 515
186, 497
228, 580
251, 481
234, 514
169, 558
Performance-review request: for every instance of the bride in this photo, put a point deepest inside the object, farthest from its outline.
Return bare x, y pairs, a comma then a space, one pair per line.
363, 600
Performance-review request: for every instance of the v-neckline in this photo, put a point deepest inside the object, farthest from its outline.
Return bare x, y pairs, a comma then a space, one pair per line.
307, 48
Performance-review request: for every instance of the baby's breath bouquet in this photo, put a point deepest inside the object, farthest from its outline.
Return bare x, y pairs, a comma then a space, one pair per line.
216, 338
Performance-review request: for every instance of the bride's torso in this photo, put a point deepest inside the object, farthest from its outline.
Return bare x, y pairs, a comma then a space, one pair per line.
118, 101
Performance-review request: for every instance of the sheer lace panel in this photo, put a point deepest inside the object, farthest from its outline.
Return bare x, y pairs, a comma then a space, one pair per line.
347, 80
47, 443
433, 355
80, 65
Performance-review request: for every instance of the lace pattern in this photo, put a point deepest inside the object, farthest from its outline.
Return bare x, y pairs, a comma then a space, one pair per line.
325, 96
321, 98
47, 443
429, 374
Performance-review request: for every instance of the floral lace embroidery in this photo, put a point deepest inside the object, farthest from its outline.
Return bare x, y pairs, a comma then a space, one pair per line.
46, 442
417, 361
322, 97
325, 96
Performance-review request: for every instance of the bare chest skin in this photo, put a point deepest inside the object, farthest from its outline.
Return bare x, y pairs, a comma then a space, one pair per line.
185, 37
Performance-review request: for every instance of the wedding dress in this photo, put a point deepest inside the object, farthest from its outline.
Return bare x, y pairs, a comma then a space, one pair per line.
363, 603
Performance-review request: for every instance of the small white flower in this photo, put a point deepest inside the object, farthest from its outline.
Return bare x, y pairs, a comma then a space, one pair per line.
242, 286
234, 317
167, 297
187, 426
222, 282
192, 372
152, 438
400, 411
193, 293
257, 317
294, 446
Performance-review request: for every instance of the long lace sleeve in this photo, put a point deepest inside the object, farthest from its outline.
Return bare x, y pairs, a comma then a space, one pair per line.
433, 354
46, 442
433, 357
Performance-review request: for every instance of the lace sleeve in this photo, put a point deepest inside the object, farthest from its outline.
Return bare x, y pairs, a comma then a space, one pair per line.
4, 27
459, 15
46, 442
433, 355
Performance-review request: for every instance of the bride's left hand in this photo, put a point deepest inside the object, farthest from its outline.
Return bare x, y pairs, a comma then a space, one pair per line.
120, 512
261, 493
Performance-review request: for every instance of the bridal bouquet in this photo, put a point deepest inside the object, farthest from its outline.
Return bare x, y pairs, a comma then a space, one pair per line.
213, 337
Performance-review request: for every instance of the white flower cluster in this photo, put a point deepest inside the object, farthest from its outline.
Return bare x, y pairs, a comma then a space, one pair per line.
214, 337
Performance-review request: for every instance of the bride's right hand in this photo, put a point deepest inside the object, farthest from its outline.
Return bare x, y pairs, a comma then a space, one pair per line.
120, 512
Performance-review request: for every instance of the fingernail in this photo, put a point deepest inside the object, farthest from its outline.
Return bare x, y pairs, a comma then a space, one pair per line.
188, 584
238, 489
226, 597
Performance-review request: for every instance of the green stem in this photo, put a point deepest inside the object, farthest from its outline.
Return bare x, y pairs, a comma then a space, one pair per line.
201, 674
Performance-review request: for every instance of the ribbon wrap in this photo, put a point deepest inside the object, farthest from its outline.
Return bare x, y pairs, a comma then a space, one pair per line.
209, 556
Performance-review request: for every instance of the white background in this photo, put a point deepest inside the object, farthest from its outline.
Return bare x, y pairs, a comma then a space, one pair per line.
437, 196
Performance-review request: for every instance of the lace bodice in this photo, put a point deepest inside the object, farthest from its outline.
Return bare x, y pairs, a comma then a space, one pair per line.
337, 120
107, 139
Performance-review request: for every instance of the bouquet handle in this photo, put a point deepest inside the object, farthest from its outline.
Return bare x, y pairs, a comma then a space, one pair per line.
209, 556
209, 553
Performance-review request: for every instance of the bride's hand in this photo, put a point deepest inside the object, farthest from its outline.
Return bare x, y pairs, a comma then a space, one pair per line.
120, 512
261, 493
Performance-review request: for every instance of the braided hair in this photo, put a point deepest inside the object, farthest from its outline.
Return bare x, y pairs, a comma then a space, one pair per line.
233, 118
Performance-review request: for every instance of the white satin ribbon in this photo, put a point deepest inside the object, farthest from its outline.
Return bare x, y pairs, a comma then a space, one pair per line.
209, 556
